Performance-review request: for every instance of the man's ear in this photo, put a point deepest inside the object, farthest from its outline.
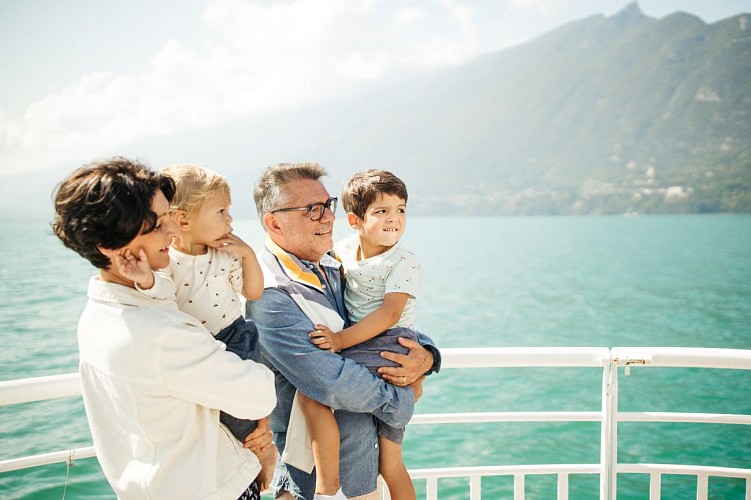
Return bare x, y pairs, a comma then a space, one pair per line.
353, 220
271, 223
181, 219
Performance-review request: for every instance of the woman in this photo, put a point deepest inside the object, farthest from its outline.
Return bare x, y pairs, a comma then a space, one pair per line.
153, 378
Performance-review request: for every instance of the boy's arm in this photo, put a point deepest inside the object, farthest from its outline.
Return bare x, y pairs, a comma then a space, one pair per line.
370, 326
321, 375
252, 278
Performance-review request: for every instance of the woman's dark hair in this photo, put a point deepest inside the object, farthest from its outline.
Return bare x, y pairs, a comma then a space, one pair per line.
107, 203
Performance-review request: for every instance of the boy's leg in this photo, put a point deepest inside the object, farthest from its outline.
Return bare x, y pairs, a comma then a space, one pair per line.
324, 436
391, 466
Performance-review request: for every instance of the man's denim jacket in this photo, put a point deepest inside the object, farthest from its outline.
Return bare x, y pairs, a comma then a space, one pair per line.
339, 383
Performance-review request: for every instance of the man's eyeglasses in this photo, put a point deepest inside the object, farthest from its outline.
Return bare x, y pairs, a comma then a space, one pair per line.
315, 210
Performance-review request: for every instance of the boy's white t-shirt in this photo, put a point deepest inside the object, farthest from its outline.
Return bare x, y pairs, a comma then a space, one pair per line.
395, 270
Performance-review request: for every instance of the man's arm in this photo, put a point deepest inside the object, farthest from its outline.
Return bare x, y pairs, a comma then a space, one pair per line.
322, 375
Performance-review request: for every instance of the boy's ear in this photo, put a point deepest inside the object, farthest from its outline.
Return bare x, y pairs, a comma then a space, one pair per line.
353, 220
181, 219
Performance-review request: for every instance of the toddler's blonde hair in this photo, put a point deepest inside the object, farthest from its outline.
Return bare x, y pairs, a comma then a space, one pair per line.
195, 185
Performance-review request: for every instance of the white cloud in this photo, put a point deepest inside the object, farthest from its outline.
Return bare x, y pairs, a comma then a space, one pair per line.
408, 16
543, 8
261, 57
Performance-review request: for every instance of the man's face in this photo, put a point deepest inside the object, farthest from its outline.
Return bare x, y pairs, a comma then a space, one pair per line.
300, 236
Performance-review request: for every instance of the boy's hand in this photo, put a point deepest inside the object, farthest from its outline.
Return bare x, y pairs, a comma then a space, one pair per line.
136, 269
323, 338
232, 242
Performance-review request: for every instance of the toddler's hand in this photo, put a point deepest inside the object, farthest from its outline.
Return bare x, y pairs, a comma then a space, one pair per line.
136, 269
234, 243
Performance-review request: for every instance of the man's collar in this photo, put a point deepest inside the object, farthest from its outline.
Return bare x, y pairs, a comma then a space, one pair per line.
295, 268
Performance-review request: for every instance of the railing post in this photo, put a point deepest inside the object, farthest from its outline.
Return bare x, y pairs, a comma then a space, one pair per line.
655, 486
519, 486
475, 487
562, 487
431, 489
609, 432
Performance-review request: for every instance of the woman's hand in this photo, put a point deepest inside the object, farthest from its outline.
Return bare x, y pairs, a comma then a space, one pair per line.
261, 438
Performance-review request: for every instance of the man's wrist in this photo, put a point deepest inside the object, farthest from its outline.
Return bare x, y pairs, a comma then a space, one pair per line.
435, 354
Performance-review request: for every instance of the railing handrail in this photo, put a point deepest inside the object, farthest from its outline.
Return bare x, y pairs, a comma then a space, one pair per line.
65, 385
608, 360
28, 390
522, 357
684, 357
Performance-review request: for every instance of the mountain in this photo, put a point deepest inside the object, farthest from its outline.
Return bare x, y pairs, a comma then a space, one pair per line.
618, 114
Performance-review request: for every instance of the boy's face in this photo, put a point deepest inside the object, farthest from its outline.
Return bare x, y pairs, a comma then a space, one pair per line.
213, 220
383, 224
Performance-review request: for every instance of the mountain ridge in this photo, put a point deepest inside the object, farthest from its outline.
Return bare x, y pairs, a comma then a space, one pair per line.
604, 115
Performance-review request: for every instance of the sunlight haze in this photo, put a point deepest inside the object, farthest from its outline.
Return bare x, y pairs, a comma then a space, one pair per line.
82, 78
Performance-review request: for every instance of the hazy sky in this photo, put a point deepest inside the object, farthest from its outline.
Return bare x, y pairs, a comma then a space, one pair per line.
82, 77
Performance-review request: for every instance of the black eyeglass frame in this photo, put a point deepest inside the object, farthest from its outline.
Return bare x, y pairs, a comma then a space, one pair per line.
321, 207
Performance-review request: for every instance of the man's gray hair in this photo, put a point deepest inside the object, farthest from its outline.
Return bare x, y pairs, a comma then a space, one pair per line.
269, 193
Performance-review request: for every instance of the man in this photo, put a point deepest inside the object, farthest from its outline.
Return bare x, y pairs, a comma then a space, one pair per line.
302, 288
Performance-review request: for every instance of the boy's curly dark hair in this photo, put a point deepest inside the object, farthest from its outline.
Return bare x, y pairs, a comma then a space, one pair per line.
107, 204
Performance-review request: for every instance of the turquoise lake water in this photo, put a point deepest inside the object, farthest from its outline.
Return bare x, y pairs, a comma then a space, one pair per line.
487, 282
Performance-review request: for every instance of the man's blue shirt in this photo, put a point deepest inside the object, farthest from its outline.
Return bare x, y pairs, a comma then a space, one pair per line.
343, 385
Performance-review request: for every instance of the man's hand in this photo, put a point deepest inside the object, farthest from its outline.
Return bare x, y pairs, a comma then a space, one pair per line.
417, 387
414, 364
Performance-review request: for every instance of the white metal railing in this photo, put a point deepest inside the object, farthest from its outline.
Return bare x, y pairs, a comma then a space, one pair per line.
608, 360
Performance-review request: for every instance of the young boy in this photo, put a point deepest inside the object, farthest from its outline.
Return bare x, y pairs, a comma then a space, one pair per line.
382, 279
209, 266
